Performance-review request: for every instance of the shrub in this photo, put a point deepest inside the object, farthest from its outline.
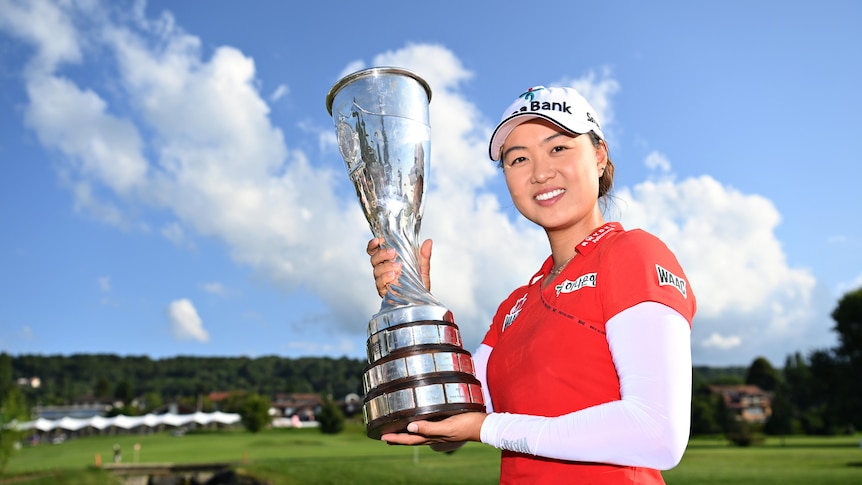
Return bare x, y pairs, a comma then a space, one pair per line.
330, 417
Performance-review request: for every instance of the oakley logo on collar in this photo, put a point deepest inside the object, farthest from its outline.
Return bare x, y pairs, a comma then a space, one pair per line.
514, 312
570, 286
665, 277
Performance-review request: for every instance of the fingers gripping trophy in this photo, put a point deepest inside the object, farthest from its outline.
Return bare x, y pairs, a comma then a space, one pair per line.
417, 366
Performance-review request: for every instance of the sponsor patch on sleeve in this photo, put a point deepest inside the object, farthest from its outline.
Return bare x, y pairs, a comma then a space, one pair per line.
665, 277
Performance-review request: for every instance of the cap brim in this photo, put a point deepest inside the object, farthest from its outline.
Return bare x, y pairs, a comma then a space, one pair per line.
505, 128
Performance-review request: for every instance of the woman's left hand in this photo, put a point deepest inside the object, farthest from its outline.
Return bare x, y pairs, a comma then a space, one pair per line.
454, 429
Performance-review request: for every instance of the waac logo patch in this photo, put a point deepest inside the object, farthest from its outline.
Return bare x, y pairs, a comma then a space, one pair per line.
665, 277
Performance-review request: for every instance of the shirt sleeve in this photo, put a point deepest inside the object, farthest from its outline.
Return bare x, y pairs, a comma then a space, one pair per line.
648, 426
642, 268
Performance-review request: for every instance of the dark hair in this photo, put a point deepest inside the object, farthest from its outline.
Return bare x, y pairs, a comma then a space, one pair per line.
606, 181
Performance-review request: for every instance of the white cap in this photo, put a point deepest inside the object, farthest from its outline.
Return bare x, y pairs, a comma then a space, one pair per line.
565, 107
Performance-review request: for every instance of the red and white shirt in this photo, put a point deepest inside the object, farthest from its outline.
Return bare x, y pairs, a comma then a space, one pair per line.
550, 352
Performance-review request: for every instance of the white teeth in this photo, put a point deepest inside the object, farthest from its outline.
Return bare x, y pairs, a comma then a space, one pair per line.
549, 195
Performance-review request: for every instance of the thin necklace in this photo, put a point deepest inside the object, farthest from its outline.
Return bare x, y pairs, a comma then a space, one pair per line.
558, 269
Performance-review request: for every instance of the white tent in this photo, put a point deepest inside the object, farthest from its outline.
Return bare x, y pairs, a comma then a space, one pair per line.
177, 419
225, 418
70, 424
40, 424
129, 422
99, 422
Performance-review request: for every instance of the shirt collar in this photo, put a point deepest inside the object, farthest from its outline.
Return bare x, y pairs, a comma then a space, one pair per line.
584, 247
598, 236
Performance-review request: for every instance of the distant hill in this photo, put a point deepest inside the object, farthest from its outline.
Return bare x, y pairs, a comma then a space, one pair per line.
718, 375
63, 379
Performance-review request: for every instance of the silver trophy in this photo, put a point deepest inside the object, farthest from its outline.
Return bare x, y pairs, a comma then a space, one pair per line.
417, 366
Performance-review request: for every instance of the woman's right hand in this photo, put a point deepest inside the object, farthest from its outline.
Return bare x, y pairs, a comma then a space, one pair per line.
387, 269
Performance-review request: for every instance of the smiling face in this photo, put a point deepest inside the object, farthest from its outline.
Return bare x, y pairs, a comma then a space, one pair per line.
553, 177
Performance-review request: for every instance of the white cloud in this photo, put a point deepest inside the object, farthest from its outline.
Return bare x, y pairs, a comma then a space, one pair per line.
77, 122
47, 26
599, 88
725, 239
106, 288
175, 233
223, 170
351, 68
657, 161
87, 203
281, 91
851, 285
721, 342
214, 160
215, 288
185, 322
434, 63
728, 246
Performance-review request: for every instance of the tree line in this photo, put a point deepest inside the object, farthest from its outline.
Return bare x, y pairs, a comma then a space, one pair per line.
814, 394
817, 394
184, 379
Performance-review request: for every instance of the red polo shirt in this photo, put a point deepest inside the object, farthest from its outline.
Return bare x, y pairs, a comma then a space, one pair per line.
550, 354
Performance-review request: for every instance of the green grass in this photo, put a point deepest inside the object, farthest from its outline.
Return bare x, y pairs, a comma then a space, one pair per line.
310, 457
794, 460
290, 456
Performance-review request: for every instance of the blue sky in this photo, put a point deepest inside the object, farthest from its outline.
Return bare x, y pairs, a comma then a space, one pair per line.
170, 184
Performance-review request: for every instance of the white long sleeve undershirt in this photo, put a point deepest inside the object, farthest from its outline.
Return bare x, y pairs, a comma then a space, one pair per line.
649, 427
